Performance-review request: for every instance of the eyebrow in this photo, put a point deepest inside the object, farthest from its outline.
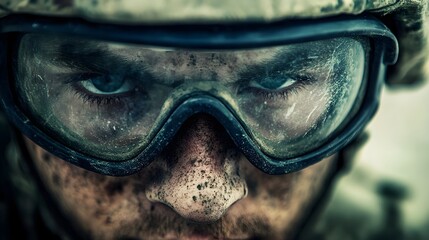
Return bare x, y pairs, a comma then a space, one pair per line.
282, 60
90, 57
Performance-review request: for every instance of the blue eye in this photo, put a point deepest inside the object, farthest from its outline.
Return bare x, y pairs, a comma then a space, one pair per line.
105, 84
270, 83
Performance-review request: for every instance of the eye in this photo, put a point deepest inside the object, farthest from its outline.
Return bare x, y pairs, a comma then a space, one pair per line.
105, 84
273, 83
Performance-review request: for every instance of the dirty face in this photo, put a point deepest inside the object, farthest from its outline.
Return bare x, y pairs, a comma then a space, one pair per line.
108, 100
104, 100
201, 187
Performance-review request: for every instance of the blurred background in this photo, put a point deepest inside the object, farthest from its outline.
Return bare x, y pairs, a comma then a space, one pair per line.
385, 193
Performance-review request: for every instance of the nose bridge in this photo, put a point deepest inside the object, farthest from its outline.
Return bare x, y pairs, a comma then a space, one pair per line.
202, 137
202, 180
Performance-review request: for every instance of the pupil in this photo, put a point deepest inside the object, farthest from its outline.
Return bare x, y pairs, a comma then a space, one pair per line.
107, 83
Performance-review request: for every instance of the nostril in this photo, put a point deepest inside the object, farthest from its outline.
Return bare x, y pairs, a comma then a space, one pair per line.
199, 191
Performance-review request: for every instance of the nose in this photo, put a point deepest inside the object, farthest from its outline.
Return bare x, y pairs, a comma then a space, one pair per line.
201, 177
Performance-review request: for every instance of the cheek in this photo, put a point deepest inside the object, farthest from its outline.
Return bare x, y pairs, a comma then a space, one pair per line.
105, 207
283, 199
94, 201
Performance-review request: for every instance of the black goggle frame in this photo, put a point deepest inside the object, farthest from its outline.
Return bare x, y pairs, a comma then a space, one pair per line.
384, 51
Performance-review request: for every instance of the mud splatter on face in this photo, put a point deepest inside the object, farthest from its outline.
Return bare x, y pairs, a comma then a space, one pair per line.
202, 180
200, 186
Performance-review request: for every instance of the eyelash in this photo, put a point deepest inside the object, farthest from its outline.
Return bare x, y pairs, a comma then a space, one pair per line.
73, 83
283, 94
109, 100
99, 100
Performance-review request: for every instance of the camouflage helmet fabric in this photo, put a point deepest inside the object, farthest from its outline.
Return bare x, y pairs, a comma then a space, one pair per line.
407, 18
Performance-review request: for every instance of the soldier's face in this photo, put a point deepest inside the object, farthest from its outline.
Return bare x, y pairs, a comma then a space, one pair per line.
201, 186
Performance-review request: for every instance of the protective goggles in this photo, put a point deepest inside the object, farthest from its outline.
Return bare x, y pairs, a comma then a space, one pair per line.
109, 98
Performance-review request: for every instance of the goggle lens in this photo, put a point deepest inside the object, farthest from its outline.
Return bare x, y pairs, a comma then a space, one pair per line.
109, 100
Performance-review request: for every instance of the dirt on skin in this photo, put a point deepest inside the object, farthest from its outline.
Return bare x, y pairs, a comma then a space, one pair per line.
201, 186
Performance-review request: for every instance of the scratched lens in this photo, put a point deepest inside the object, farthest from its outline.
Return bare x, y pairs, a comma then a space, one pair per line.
109, 99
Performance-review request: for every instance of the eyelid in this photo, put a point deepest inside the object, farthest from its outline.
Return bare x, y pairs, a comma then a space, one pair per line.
75, 67
127, 86
74, 77
127, 70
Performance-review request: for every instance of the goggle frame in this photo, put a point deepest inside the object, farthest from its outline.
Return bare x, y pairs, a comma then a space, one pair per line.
384, 49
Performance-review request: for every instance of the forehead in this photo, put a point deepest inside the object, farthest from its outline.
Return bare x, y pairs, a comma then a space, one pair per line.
233, 56
172, 64
165, 63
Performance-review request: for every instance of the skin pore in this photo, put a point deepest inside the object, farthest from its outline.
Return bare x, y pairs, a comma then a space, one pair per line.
200, 187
